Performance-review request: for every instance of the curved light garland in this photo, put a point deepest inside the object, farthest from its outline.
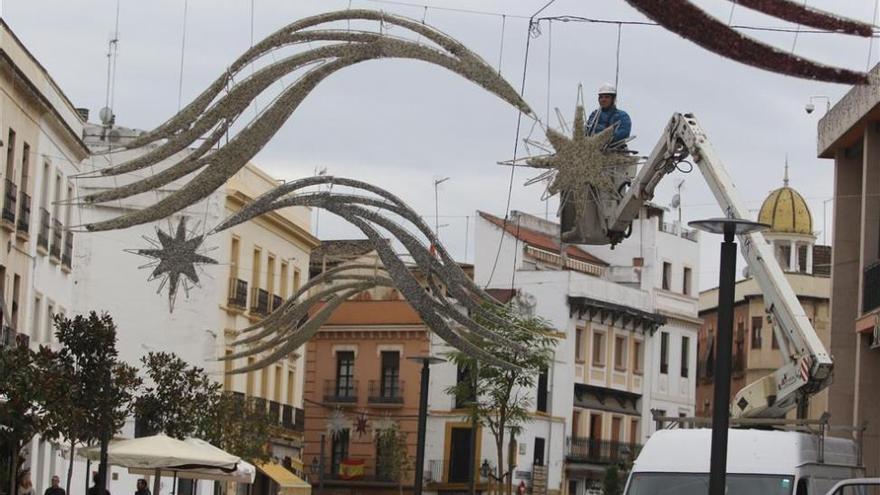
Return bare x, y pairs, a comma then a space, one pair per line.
289, 326
213, 114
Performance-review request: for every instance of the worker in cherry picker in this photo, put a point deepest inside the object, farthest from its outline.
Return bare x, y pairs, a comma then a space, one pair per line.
608, 115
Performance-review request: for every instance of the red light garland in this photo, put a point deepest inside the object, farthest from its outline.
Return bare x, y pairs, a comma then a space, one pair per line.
800, 14
689, 21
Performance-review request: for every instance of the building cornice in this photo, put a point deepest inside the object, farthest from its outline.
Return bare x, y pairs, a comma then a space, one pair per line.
22, 82
615, 314
274, 221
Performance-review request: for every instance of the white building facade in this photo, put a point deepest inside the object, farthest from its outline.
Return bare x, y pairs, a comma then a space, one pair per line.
627, 319
40, 132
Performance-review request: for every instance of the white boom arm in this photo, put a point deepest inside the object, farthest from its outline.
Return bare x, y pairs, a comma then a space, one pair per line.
808, 366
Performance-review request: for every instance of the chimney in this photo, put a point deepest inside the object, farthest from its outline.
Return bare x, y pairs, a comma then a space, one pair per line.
83, 113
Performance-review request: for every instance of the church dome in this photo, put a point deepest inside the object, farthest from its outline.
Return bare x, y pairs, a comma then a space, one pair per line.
786, 211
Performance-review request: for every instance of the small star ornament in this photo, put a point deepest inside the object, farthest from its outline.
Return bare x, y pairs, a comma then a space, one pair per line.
362, 424
174, 257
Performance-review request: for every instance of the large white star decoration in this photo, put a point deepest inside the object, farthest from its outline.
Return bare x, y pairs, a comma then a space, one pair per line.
386, 422
580, 161
173, 257
337, 423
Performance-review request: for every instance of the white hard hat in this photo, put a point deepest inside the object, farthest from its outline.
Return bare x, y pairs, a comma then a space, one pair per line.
608, 89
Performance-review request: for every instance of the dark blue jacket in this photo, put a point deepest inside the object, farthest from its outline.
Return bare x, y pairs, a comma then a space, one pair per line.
600, 120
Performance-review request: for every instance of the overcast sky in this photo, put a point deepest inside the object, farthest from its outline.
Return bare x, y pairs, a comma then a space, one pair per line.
402, 124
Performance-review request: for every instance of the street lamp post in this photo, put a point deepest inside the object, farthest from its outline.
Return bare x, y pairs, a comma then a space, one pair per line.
426, 362
318, 467
729, 227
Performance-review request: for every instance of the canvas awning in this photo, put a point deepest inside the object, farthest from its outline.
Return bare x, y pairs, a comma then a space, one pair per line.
163, 452
288, 483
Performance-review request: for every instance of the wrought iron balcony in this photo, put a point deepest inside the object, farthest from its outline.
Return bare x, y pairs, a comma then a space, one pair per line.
293, 418
57, 231
259, 301
67, 255
597, 451
24, 214
385, 392
340, 391
238, 290
43, 234
871, 288
277, 301
9, 201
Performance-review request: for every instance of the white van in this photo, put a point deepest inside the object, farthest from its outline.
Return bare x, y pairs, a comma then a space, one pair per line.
772, 462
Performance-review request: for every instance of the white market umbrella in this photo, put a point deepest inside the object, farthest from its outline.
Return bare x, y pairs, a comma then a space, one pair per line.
244, 472
161, 453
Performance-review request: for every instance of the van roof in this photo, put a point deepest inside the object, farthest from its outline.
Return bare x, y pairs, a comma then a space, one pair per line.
749, 451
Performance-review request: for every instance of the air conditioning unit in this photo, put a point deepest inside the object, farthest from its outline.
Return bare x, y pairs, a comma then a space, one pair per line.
875, 336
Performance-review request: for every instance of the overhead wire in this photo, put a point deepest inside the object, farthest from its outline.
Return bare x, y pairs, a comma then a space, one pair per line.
519, 115
182, 55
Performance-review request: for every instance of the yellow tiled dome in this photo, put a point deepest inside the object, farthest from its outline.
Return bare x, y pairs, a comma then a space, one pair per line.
786, 211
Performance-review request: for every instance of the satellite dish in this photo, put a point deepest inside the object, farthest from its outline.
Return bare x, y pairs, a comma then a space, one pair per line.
676, 201
106, 116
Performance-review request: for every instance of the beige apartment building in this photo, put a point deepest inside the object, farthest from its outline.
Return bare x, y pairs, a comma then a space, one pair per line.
41, 149
850, 135
756, 353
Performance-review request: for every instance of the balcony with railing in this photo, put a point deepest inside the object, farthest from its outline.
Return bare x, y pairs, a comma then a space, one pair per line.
277, 301
341, 391
57, 234
871, 287
23, 227
67, 254
382, 392
597, 451
9, 201
238, 290
373, 476
293, 418
43, 234
259, 301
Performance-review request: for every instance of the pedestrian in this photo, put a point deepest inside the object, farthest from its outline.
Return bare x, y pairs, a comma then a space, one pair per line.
608, 115
93, 490
142, 488
55, 489
25, 486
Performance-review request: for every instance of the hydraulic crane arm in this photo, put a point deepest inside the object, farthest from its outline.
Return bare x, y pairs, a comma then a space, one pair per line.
808, 366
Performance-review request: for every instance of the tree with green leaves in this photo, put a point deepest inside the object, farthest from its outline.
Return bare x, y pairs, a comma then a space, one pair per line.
176, 397
611, 484
182, 400
22, 414
393, 462
499, 398
89, 391
238, 426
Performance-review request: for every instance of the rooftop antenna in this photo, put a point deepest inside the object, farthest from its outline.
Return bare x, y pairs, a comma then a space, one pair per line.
106, 114
676, 199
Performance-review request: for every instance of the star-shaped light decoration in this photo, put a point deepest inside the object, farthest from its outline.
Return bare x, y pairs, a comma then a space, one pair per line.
337, 423
386, 422
173, 257
362, 424
582, 164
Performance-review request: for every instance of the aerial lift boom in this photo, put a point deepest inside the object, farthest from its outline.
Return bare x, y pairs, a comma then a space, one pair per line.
807, 368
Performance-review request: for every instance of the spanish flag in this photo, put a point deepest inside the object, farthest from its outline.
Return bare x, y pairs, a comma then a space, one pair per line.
351, 469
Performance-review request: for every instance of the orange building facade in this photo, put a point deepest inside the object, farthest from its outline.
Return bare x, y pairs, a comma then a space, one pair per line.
357, 370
